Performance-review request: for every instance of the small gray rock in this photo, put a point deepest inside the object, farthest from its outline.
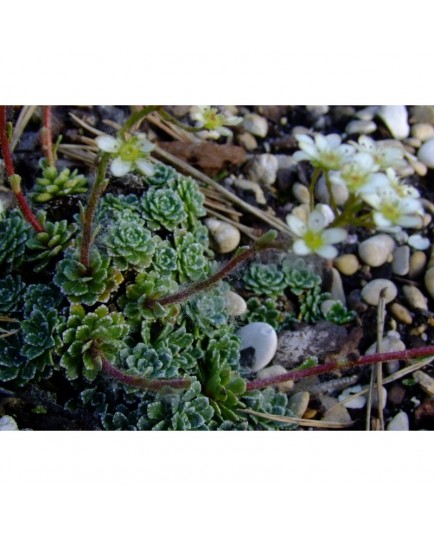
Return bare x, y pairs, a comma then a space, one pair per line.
248, 141
360, 127
426, 153
414, 297
298, 403
395, 118
256, 125
337, 289
375, 251
422, 131
259, 343
368, 113
226, 237
263, 169
235, 304
339, 191
371, 291
401, 260
399, 423
8, 424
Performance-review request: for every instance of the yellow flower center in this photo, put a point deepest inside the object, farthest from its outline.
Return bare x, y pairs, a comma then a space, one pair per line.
130, 151
391, 212
313, 240
330, 160
212, 119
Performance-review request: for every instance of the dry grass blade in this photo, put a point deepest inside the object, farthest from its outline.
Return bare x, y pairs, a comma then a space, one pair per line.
172, 130
223, 208
22, 121
83, 124
243, 228
82, 153
299, 421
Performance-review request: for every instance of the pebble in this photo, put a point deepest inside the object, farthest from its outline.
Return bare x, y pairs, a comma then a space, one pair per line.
415, 297
298, 403
256, 125
422, 114
263, 169
285, 161
395, 118
367, 114
426, 153
340, 192
399, 423
401, 260
375, 398
259, 340
318, 110
248, 141
422, 131
235, 304
419, 167
337, 288
397, 393
356, 403
8, 424
375, 251
361, 126
347, 264
371, 291
338, 414
276, 370
390, 343
425, 381
418, 262
301, 193
401, 313
245, 184
414, 143
226, 237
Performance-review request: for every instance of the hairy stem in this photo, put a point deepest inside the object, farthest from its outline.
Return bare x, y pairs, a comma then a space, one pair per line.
47, 137
313, 181
97, 189
141, 382
137, 116
229, 267
168, 117
15, 180
330, 192
424, 351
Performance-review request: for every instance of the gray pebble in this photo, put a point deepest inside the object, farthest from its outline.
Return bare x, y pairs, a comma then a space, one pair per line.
368, 113
285, 161
375, 251
371, 291
259, 339
263, 169
337, 289
298, 403
271, 372
256, 125
235, 304
422, 131
225, 236
340, 192
395, 118
426, 153
401, 260
418, 262
338, 414
301, 193
8, 424
399, 423
415, 297
360, 127
422, 114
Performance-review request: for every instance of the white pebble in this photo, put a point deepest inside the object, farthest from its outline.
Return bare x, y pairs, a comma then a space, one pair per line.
375, 251
226, 237
262, 339
256, 125
418, 262
390, 343
401, 260
414, 297
422, 131
399, 423
426, 153
263, 169
367, 114
248, 141
360, 127
298, 403
425, 381
347, 264
285, 161
339, 191
395, 118
8, 424
235, 304
356, 403
371, 291
337, 288
301, 193
375, 397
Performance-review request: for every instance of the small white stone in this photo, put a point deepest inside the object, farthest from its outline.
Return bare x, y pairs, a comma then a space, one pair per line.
371, 291
367, 114
226, 237
254, 187
347, 264
235, 304
418, 262
337, 289
317, 110
395, 118
375, 397
301, 193
399, 423
8, 424
426, 153
360, 127
263, 169
262, 339
375, 251
339, 191
248, 141
401, 260
256, 125
285, 161
390, 343
419, 167
355, 403
422, 131
298, 403
414, 297
425, 381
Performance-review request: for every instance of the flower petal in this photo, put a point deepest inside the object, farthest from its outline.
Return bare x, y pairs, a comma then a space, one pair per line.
334, 235
145, 166
327, 251
120, 167
299, 247
107, 143
316, 220
296, 225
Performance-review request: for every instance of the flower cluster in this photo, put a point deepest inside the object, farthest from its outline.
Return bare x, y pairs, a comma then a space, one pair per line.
213, 122
130, 154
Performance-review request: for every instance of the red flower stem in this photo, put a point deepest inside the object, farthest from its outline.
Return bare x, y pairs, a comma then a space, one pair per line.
10, 170
47, 137
215, 278
140, 382
424, 351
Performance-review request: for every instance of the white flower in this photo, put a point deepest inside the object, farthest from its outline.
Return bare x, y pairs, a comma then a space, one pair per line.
392, 211
417, 241
130, 155
213, 122
401, 189
384, 155
359, 175
313, 237
326, 152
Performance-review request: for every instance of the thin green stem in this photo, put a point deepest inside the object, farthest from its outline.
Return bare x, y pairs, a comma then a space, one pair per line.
330, 192
136, 117
313, 181
97, 189
168, 117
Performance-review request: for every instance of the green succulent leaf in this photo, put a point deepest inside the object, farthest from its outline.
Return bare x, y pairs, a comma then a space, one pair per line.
265, 279
54, 184
14, 233
163, 208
